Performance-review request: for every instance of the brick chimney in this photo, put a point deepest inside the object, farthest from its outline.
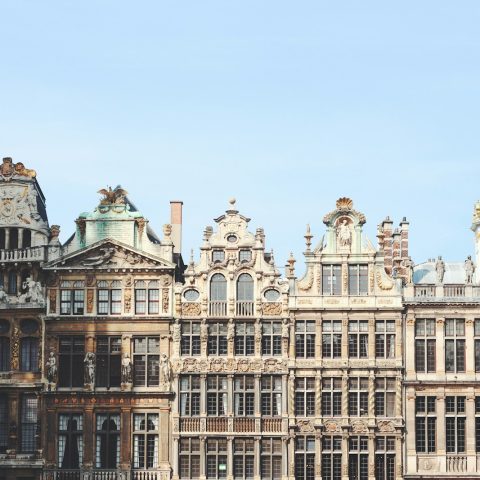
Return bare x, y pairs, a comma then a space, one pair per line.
176, 207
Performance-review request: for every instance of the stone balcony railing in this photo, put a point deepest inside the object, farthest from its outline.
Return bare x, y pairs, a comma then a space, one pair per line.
442, 293
30, 254
232, 425
456, 463
83, 474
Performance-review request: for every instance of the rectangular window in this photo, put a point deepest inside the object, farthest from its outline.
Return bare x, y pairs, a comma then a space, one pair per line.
29, 354
271, 458
305, 338
358, 279
190, 343
425, 345
243, 459
72, 300
332, 458
3, 423
455, 345
189, 458
455, 424
358, 397
271, 338
358, 339
477, 424
385, 392
28, 426
425, 424
218, 256
331, 396
385, 458
70, 440
358, 458
147, 298
271, 387
244, 339
305, 397
331, 339
332, 279
217, 395
477, 344
70, 361
109, 355
190, 395
146, 358
109, 298
385, 339
244, 395
107, 440
145, 440
305, 458
245, 256
4, 354
216, 458
217, 339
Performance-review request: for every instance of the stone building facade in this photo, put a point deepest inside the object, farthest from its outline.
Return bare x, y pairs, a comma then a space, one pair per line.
119, 362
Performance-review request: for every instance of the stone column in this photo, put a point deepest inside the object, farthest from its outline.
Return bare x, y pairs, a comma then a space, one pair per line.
469, 357
345, 389
175, 454
203, 473
441, 444
125, 440
318, 455
284, 395
288, 444
399, 457
7, 239
410, 344
89, 446
371, 395
470, 432
344, 337
371, 338
411, 465
440, 347
258, 455
203, 394
345, 472
258, 400
229, 458
371, 456
318, 394
20, 238
230, 411
164, 435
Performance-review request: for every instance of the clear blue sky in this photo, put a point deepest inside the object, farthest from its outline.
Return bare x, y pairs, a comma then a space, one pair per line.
286, 105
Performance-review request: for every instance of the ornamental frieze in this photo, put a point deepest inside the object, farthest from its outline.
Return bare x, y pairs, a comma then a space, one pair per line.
359, 427
272, 308
386, 427
217, 365
191, 309
332, 427
305, 426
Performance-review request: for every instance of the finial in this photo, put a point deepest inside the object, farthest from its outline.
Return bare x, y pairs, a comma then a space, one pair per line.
308, 238
272, 259
232, 201
291, 266
191, 257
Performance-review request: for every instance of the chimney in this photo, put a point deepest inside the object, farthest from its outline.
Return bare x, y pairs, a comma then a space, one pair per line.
176, 222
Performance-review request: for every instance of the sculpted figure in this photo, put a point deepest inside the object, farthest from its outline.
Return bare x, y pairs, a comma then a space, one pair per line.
204, 331
166, 369
3, 295
231, 331
440, 269
126, 369
177, 332
52, 368
408, 264
285, 329
469, 270
99, 259
344, 234
89, 363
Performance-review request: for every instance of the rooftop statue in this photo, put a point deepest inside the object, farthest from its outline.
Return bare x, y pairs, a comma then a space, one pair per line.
8, 169
469, 269
116, 196
440, 269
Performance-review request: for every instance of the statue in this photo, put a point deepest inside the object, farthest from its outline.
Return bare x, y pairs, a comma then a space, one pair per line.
99, 259
204, 331
440, 269
285, 329
344, 234
51, 365
126, 368
408, 265
469, 270
166, 369
231, 331
113, 196
34, 291
3, 295
89, 363
177, 331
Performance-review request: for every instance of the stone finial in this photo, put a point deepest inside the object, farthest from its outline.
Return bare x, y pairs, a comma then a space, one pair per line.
291, 266
54, 234
167, 231
232, 208
308, 238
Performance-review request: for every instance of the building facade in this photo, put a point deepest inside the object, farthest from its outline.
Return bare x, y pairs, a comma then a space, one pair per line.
119, 362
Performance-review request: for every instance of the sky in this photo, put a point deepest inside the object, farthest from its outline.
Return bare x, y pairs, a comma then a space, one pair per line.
284, 105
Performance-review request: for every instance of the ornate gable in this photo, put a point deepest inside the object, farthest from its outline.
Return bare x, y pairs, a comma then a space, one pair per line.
109, 255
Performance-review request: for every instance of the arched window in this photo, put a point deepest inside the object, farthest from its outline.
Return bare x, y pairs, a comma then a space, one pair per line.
218, 288
4, 354
245, 288
29, 354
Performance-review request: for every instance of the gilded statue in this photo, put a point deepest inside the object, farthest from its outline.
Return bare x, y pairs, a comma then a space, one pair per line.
116, 196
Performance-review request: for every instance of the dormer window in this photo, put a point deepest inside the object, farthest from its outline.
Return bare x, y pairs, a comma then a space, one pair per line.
245, 256
218, 256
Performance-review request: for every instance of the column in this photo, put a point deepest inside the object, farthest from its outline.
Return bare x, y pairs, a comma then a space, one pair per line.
470, 432
371, 456
409, 345
469, 347
89, 446
203, 473
399, 457
7, 239
203, 394
164, 435
230, 458
285, 382
441, 444
371, 338
371, 395
288, 457
175, 453
440, 347
318, 455
230, 395
345, 395
345, 339
345, 475
20, 238
411, 466
257, 459
125, 440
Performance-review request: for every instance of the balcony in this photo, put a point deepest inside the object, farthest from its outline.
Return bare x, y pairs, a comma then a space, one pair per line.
442, 293
31, 254
456, 463
245, 309
218, 309
61, 474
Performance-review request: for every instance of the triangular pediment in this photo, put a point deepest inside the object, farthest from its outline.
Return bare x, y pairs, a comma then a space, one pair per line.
108, 254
